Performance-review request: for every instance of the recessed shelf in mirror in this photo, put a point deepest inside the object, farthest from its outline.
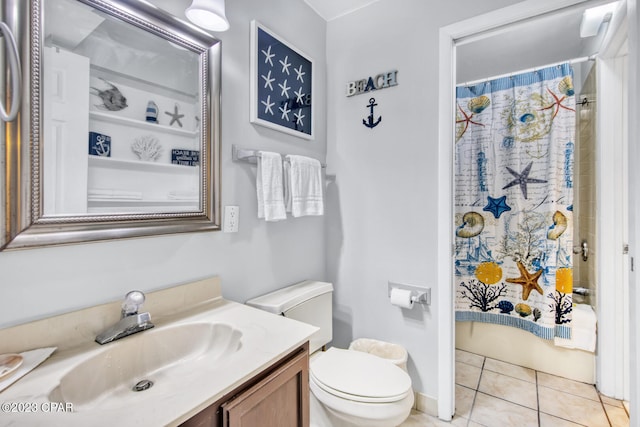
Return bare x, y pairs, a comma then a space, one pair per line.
125, 121
139, 165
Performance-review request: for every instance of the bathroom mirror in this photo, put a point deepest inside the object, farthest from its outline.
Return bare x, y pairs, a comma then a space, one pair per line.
118, 135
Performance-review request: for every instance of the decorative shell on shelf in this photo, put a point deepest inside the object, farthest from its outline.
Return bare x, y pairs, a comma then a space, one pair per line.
147, 148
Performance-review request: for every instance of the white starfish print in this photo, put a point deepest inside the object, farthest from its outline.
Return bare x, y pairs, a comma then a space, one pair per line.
299, 116
267, 105
285, 112
268, 55
285, 88
299, 73
268, 80
299, 95
285, 64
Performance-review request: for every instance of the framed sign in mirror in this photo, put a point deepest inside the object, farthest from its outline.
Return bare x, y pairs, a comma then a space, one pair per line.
281, 84
120, 125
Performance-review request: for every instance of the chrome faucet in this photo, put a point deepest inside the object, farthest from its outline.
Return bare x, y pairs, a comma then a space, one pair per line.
130, 321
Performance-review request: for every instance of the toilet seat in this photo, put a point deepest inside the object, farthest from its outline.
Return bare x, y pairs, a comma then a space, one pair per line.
359, 377
356, 398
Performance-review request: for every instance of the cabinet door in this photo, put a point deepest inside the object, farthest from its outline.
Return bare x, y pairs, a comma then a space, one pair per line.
279, 400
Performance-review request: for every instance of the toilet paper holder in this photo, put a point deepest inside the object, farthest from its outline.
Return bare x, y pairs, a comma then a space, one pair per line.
419, 295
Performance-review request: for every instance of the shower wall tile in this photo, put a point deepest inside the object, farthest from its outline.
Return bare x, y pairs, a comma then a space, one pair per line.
585, 207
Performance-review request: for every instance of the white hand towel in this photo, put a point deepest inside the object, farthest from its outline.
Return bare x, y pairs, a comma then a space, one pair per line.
269, 187
303, 186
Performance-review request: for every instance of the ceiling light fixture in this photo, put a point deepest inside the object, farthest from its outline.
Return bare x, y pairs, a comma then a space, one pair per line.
208, 14
593, 17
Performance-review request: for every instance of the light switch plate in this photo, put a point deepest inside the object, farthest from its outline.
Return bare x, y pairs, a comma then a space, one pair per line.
231, 219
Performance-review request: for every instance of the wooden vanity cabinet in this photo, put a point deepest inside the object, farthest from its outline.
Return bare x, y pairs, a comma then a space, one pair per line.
277, 397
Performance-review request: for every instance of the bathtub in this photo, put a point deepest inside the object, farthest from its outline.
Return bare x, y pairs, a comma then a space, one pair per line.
522, 348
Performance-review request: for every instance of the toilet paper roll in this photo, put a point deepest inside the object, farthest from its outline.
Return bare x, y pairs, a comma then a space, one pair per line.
401, 298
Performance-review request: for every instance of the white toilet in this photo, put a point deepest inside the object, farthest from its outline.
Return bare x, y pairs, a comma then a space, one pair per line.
348, 388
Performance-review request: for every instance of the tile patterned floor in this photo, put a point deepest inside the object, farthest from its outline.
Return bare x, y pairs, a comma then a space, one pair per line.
491, 393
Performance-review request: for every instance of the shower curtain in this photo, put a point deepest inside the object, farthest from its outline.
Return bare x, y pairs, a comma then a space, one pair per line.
514, 201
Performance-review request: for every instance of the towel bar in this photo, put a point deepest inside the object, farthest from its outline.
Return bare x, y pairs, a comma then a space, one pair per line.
248, 155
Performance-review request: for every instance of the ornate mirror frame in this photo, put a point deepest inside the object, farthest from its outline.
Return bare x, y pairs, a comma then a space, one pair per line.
24, 224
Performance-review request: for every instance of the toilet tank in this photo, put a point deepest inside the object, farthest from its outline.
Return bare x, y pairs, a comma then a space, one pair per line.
308, 302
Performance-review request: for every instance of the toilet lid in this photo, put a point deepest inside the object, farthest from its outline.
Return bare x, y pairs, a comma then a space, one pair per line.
359, 376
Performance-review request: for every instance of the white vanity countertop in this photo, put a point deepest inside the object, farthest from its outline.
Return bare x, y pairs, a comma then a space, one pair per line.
175, 397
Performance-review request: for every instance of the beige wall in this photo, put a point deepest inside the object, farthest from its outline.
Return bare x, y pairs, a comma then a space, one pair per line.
584, 274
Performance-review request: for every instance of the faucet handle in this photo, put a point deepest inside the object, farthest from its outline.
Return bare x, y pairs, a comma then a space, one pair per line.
132, 303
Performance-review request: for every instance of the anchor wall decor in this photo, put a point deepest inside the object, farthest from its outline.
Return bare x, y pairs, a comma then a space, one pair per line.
369, 122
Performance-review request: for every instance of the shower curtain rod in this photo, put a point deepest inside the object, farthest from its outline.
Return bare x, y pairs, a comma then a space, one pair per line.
528, 70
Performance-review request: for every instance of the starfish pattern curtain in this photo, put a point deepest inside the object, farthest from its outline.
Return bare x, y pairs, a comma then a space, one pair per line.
514, 201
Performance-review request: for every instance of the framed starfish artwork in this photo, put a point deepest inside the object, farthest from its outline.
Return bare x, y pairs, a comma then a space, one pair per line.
281, 84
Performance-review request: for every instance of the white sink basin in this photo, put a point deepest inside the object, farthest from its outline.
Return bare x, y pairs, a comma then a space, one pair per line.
161, 355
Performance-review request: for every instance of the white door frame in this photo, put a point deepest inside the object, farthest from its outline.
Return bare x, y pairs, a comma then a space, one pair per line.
633, 20
612, 365
447, 71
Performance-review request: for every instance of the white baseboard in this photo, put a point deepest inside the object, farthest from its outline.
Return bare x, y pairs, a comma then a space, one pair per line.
426, 404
